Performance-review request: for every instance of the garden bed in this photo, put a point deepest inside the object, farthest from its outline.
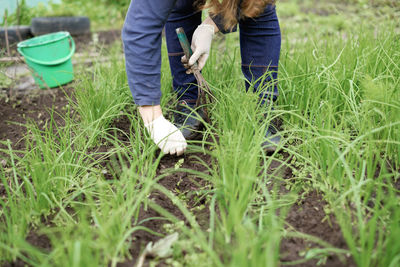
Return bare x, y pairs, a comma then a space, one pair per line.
307, 216
84, 185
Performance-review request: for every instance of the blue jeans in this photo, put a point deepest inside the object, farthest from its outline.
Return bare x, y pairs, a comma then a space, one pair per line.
260, 45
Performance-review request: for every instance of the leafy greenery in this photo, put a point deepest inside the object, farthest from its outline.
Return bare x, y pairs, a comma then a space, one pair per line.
103, 14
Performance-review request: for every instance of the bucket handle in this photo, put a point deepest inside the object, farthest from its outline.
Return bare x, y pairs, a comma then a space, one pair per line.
55, 62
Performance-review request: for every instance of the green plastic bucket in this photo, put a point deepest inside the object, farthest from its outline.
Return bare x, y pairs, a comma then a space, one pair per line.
49, 56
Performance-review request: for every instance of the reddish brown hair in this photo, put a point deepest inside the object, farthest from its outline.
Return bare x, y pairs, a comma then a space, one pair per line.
228, 9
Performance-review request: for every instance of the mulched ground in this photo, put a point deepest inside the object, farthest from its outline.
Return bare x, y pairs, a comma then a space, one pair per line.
306, 216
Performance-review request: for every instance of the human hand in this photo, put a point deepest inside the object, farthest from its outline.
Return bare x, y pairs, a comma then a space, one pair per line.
167, 137
201, 44
185, 64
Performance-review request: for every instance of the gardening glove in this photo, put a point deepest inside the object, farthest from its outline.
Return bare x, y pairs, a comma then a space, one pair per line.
201, 44
167, 137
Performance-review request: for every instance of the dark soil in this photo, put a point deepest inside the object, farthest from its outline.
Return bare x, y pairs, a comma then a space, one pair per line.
181, 184
308, 216
15, 112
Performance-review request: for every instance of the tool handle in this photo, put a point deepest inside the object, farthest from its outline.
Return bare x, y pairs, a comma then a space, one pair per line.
183, 40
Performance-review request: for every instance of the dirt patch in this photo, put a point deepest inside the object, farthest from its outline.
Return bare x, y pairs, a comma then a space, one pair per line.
39, 241
17, 111
397, 183
182, 185
308, 216
17, 263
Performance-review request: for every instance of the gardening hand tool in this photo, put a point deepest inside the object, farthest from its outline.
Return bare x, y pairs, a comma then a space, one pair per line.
202, 85
167, 137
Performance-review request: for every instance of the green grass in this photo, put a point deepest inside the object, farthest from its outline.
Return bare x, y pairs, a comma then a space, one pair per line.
339, 103
349, 130
104, 14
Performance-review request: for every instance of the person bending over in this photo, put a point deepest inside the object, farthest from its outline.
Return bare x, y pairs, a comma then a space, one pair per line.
260, 44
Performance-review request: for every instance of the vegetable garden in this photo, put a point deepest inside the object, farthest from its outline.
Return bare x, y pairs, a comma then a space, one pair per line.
82, 184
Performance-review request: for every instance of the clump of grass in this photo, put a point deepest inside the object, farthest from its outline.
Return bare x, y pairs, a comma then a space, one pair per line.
344, 105
14, 215
101, 95
59, 182
108, 215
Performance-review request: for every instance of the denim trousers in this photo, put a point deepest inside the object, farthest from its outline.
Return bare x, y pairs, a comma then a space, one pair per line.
260, 45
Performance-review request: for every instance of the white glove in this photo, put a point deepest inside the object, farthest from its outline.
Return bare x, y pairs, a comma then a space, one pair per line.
201, 44
168, 138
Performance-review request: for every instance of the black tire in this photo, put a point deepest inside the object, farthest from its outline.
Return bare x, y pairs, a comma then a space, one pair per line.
12, 31
73, 25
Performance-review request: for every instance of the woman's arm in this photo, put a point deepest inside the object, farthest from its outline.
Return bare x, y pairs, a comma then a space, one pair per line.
141, 37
